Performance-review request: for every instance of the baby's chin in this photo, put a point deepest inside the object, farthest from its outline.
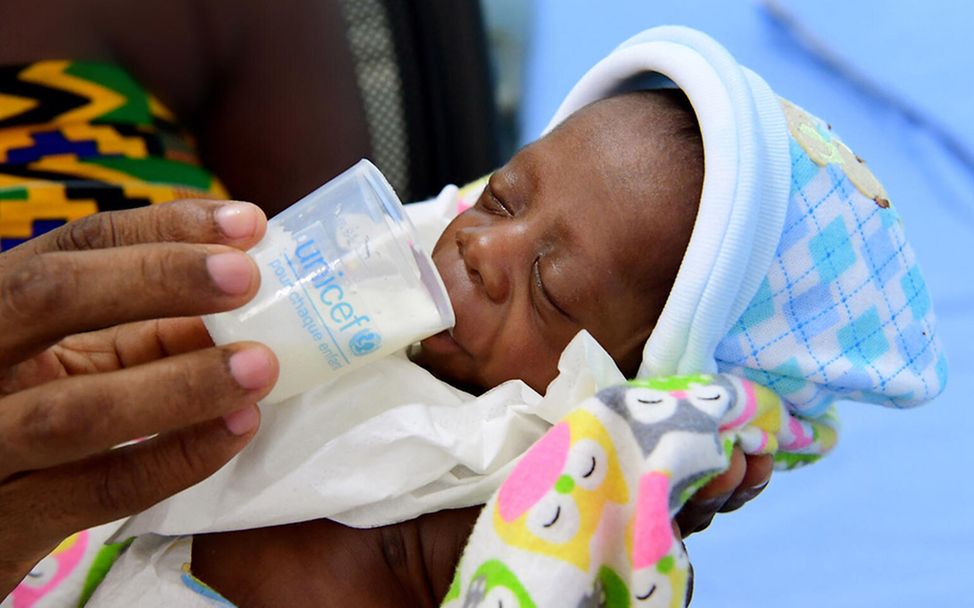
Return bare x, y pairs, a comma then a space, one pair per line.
441, 356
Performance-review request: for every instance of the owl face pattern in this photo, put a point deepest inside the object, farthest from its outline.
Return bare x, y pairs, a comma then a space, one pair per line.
662, 584
659, 586
653, 408
51, 571
674, 421
494, 585
554, 499
585, 518
659, 561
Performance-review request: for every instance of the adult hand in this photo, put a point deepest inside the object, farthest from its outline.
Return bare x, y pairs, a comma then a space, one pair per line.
743, 480
91, 356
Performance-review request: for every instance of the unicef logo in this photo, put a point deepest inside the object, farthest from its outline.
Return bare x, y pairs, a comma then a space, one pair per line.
364, 342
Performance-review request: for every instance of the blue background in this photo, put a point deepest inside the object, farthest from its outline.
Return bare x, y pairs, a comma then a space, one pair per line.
885, 520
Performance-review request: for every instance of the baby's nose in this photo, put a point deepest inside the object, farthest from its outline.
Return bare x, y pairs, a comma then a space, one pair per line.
486, 257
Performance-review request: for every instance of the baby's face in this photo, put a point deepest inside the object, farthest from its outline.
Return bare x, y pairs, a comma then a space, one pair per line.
583, 229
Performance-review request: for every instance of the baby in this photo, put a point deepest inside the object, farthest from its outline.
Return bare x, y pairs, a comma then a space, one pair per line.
583, 229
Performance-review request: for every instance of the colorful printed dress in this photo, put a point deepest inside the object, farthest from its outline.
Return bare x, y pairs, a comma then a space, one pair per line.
81, 137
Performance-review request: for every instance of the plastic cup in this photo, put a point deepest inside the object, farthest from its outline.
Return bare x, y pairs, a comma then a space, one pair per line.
343, 283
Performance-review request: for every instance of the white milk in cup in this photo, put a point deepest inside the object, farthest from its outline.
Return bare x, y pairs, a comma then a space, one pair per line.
343, 283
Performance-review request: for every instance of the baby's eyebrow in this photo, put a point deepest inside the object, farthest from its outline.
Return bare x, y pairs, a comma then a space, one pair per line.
522, 174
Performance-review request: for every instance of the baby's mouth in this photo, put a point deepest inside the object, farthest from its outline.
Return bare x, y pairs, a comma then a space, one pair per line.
443, 342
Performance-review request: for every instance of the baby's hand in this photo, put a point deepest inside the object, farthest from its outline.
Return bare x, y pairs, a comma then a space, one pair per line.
744, 479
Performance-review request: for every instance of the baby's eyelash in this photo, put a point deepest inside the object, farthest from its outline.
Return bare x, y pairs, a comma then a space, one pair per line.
536, 271
492, 203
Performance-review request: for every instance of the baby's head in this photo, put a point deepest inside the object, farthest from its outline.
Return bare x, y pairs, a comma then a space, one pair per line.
583, 229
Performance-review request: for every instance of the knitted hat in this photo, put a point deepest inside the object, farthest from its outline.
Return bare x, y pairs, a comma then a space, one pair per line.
798, 274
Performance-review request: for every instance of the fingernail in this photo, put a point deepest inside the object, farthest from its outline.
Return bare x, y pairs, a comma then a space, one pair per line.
251, 368
704, 524
232, 272
741, 498
237, 220
710, 504
750, 493
243, 420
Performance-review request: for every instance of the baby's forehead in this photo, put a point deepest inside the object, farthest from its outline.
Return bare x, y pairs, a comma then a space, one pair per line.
637, 139
642, 113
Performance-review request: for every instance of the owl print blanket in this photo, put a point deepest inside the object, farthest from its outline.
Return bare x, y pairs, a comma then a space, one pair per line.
585, 518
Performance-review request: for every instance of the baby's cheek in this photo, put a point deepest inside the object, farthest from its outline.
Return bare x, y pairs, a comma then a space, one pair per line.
456, 370
530, 361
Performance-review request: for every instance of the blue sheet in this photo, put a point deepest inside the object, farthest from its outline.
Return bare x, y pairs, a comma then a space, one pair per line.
887, 518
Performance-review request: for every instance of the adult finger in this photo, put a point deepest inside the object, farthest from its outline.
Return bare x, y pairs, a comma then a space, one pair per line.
724, 484
237, 224
71, 418
131, 344
87, 290
699, 511
108, 350
756, 478
118, 483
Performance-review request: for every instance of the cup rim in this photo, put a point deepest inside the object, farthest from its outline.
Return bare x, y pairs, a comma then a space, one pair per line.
428, 274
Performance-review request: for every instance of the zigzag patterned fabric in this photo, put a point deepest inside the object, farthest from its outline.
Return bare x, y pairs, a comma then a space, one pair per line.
585, 517
82, 137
